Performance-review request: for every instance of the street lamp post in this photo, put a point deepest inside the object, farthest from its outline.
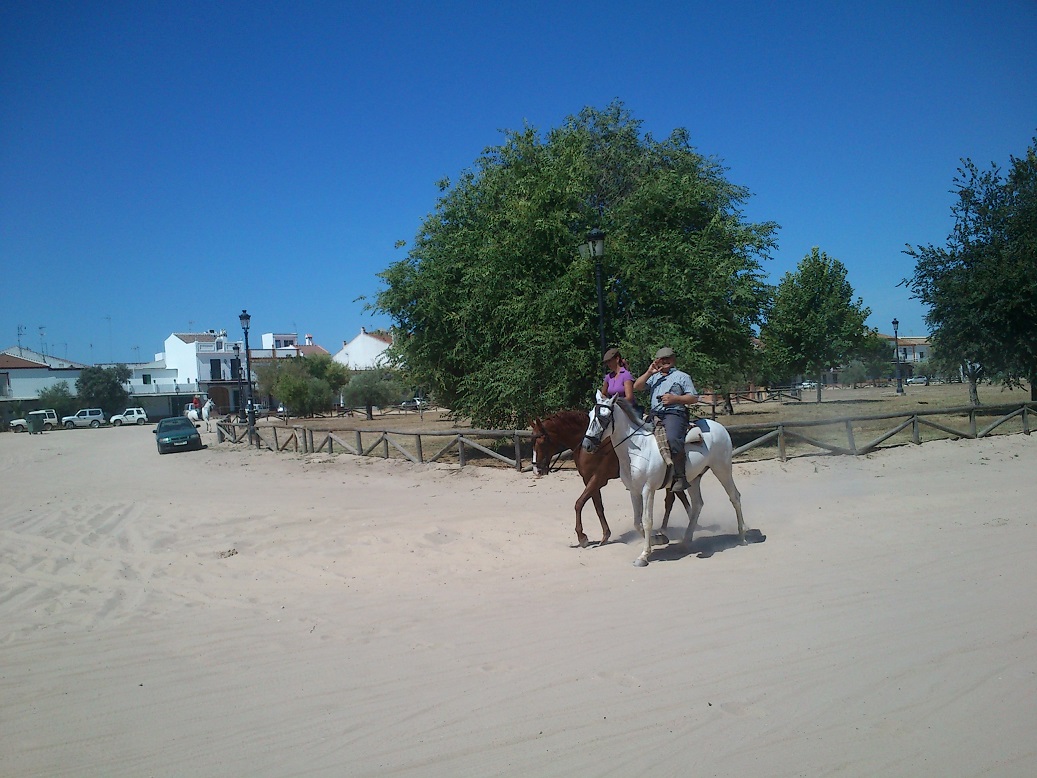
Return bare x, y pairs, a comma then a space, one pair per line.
237, 369
595, 249
896, 355
244, 318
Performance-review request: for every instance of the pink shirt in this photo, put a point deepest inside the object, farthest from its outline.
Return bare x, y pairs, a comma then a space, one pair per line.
615, 382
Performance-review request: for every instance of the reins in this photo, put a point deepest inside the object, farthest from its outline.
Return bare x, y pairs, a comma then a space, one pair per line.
639, 426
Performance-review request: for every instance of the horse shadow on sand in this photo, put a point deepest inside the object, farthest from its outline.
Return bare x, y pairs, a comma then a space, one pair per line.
703, 546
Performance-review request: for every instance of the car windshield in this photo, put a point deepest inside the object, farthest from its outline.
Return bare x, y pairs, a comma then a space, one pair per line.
175, 423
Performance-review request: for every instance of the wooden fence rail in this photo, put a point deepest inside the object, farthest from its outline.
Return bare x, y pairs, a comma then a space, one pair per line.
805, 436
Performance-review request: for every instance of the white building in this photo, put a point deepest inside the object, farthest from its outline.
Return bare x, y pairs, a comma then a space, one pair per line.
366, 351
25, 373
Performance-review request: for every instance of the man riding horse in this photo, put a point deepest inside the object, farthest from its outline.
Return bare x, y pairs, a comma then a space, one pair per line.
672, 391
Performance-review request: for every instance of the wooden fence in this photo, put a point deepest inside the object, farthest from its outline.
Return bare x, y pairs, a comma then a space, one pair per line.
780, 439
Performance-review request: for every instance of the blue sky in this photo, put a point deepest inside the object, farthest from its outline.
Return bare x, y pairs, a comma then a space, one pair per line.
164, 165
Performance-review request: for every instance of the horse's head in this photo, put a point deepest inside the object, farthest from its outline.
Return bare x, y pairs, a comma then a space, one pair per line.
543, 449
601, 423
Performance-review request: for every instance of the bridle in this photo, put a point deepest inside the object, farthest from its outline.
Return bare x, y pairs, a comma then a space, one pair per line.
603, 414
558, 449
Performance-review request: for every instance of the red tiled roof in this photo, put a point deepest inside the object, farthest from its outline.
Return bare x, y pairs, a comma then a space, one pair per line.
11, 361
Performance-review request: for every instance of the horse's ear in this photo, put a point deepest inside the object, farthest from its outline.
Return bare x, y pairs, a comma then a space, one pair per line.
536, 423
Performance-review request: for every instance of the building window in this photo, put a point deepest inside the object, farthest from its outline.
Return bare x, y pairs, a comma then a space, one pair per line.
146, 378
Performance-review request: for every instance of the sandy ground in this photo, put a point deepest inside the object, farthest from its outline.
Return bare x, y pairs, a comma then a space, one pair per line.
235, 613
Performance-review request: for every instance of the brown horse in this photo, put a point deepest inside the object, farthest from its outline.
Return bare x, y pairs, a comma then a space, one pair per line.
565, 430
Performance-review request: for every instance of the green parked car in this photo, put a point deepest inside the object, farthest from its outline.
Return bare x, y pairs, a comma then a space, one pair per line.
176, 433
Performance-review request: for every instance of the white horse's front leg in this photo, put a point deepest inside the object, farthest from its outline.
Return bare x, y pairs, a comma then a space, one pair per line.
637, 501
648, 497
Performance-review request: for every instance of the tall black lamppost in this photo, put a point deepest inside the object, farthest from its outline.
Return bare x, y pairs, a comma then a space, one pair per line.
244, 318
237, 369
896, 355
595, 248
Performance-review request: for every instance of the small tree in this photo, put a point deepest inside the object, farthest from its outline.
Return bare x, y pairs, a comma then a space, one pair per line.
370, 388
874, 355
59, 398
102, 387
815, 324
307, 385
854, 373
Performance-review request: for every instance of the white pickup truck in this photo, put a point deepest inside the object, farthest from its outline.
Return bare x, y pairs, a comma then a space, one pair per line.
50, 421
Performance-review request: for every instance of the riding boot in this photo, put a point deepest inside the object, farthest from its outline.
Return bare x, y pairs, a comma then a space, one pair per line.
680, 483
664, 449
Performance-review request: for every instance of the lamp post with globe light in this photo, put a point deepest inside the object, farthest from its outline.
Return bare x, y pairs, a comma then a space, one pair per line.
594, 249
245, 319
896, 354
237, 370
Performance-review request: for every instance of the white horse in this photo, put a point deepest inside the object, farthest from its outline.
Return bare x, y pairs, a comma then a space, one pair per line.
643, 470
192, 414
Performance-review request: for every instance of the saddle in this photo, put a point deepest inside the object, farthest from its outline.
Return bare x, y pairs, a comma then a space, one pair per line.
694, 436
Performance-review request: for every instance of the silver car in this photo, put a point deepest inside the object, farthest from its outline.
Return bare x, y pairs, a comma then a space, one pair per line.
88, 417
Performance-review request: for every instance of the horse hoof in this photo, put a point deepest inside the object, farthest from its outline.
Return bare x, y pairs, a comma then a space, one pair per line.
583, 542
659, 539
640, 562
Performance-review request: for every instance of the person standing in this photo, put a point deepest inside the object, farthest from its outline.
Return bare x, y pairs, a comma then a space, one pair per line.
618, 380
671, 391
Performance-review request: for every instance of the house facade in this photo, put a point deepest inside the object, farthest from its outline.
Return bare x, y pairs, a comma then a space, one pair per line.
25, 373
366, 351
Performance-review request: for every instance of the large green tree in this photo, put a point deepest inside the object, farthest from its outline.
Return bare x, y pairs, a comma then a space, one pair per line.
815, 324
496, 309
981, 286
103, 387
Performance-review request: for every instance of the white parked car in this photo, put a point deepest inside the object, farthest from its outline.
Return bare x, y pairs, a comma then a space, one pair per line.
129, 416
88, 417
50, 421
917, 379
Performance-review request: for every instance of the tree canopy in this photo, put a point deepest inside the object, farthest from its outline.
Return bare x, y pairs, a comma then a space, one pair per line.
102, 387
495, 308
981, 286
60, 398
814, 323
306, 385
369, 388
